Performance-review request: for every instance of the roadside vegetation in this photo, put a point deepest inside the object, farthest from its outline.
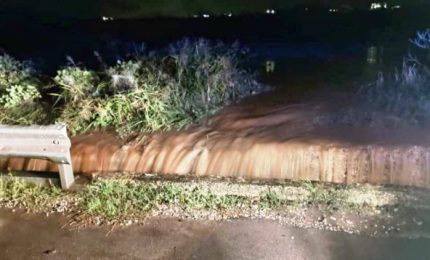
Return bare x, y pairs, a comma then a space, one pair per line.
113, 201
167, 89
20, 93
393, 99
16, 193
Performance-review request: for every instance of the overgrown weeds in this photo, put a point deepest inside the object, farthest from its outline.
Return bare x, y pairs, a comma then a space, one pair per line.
171, 89
399, 98
167, 89
20, 97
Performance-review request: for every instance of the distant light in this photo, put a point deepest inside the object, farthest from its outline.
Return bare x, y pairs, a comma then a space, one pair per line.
206, 16
270, 11
396, 7
376, 6
333, 10
228, 14
106, 18
195, 16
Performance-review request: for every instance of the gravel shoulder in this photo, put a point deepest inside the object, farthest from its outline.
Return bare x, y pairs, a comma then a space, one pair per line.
373, 211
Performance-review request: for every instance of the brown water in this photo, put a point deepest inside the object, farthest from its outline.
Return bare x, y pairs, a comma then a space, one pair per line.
270, 136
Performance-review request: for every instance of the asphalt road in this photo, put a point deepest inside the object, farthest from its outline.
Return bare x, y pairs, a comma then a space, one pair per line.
28, 236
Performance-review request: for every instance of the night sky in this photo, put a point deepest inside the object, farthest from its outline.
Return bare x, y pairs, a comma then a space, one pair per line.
142, 8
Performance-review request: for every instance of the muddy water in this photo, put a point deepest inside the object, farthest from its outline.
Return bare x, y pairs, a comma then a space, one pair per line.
270, 136
273, 135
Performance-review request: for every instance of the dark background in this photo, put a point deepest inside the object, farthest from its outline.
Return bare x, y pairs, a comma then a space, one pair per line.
46, 31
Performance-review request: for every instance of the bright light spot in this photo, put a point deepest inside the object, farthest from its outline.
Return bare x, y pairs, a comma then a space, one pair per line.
270, 11
206, 16
376, 6
333, 10
228, 14
396, 7
106, 18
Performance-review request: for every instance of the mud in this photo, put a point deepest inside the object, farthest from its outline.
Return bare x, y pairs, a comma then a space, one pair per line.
272, 136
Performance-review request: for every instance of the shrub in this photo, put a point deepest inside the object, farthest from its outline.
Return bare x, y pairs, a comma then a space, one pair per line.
80, 89
168, 89
406, 93
20, 98
393, 99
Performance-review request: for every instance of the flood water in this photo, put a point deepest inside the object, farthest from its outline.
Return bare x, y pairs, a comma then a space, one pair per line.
268, 136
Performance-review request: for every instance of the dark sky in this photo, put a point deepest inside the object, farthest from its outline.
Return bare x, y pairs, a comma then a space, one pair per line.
136, 8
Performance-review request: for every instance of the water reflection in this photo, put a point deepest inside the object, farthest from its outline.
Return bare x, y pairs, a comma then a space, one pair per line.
375, 54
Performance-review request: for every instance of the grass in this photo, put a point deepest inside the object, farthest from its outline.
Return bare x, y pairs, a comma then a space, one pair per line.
15, 192
329, 197
116, 200
122, 198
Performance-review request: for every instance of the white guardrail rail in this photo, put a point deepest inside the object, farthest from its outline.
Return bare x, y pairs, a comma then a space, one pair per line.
40, 142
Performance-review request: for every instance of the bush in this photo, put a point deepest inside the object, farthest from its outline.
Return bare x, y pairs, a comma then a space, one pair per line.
163, 90
20, 98
168, 89
406, 93
402, 97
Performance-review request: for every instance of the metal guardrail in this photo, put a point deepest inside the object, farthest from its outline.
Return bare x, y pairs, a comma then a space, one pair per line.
41, 142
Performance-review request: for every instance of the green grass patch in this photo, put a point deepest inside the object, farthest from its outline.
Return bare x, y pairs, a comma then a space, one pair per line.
329, 197
16, 192
122, 198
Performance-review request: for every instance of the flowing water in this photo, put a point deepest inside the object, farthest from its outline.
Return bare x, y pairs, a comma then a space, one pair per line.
272, 135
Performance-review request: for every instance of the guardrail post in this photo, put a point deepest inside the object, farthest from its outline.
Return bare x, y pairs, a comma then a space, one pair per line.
66, 174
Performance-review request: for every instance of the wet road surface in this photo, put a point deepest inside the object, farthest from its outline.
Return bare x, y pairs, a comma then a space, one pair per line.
28, 236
